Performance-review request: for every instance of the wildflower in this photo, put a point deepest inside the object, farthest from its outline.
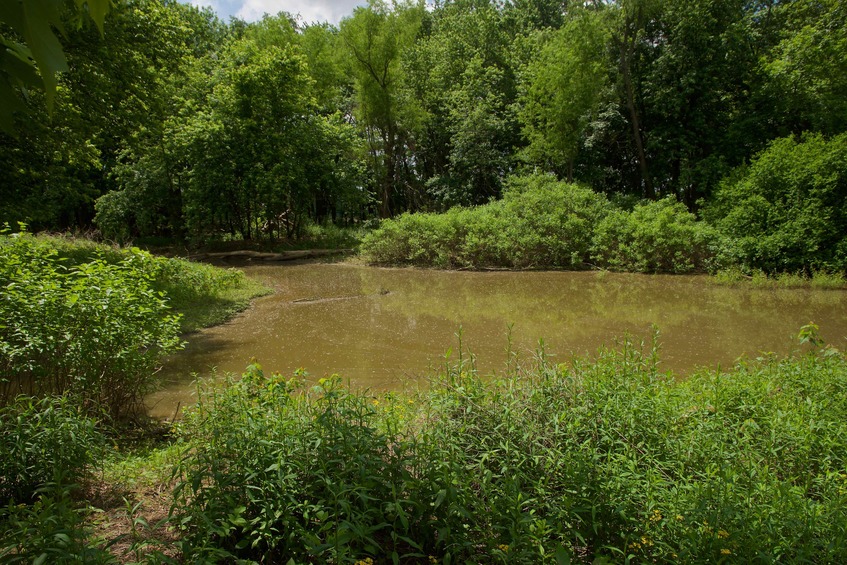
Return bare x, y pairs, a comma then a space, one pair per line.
723, 534
679, 517
365, 561
656, 517
433, 559
725, 551
375, 402
503, 547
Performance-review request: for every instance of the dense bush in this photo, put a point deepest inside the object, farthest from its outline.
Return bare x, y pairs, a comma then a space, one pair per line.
539, 223
787, 210
95, 330
275, 473
542, 223
44, 441
610, 459
661, 236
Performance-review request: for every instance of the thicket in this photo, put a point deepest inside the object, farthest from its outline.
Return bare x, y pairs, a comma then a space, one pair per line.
787, 209
611, 459
785, 212
251, 130
93, 329
94, 321
48, 448
545, 223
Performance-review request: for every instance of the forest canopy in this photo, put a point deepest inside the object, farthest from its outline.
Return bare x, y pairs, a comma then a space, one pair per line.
172, 123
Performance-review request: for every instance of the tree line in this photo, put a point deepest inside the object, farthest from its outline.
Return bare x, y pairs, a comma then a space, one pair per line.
173, 123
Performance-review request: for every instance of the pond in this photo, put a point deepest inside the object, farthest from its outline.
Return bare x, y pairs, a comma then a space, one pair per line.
384, 328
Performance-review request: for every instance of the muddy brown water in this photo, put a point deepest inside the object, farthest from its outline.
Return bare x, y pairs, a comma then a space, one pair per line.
385, 328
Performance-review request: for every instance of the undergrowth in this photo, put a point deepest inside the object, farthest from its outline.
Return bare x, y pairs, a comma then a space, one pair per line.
610, 459
542, 224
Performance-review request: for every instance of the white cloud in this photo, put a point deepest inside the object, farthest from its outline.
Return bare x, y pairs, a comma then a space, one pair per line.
213, 4
310, 11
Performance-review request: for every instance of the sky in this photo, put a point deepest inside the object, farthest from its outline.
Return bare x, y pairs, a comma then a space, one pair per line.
309, 10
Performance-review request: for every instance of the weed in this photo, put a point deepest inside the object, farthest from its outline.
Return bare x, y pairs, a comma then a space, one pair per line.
605, 459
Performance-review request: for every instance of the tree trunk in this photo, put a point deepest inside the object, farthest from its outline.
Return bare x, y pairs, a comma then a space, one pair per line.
627, 52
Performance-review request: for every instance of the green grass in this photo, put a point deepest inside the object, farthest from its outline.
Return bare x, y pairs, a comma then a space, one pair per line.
759, 279
205, 295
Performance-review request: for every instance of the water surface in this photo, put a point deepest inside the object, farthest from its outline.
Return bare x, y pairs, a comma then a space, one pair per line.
381, 328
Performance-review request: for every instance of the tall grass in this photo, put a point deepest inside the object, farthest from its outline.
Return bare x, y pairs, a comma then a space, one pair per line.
609, 459
44, 441
47, 448
757, 278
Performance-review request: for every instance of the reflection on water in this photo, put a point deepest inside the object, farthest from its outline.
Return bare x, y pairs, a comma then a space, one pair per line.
381, 327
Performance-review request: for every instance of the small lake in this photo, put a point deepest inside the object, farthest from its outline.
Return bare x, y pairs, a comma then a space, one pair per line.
383, 328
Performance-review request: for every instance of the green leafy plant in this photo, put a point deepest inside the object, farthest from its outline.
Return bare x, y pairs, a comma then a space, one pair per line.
785, 211
95, 329
46, 441
661, 236
601, 460
50, 530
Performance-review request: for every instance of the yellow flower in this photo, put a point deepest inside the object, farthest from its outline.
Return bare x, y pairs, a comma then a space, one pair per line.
503, 547
679, 517
725, 551
375, 402
723, 534
433, 559
656, 517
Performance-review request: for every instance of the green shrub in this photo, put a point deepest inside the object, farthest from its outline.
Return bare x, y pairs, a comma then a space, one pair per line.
660, 236
51, 530
787, 210
609, 459
275, 473
44, 441
114, 215
548, 223
539, 223
96, 330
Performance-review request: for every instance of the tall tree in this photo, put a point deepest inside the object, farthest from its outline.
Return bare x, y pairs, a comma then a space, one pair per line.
376, 37
629, 40
462, 76
807, 69
562, 89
